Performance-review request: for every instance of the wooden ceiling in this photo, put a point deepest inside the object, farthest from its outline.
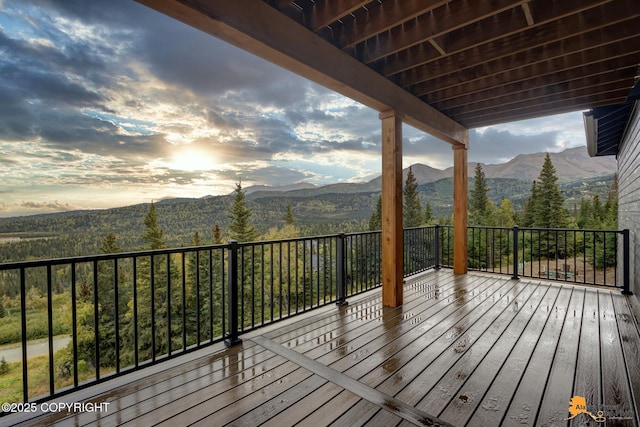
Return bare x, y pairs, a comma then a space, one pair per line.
482, 62
445, 66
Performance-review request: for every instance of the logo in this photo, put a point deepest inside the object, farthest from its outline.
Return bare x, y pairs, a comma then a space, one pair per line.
578, 406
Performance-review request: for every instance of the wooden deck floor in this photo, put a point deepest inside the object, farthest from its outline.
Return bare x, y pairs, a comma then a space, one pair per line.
474, 350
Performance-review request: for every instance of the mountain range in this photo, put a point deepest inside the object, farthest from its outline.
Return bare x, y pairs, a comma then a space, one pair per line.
342, 207
573, 164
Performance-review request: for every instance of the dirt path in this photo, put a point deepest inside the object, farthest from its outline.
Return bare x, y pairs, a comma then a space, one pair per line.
13, 352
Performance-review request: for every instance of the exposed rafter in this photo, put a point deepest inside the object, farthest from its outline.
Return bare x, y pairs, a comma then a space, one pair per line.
324, 12
255, 26
458, 56
434, 24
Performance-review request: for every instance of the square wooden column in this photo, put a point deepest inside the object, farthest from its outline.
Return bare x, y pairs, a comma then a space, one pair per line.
392, 233
460, 209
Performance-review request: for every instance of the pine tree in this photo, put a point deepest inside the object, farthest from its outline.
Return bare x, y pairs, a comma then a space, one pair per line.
288, 218
106, 294
412, 210
375, 222
549, 209
528, 215
428, 215
153, 234
155, 274
479, 203
611, 205
217, 235
109, 245
240, 226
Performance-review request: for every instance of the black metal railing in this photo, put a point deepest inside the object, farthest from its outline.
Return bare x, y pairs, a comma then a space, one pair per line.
592, 257
120, 312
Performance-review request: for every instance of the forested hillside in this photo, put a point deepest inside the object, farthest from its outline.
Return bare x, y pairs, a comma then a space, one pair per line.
82, 232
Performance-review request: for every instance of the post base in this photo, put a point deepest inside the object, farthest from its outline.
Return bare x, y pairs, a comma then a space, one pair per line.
342, 303
230, 342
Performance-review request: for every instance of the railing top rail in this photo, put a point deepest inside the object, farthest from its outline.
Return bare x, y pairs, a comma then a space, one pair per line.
105, 257
539, 228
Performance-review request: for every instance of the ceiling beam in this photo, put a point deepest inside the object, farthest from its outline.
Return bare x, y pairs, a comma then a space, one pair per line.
607, 69
529, 64
595, 23
541, 95
382, 18
434, 24
554, 106
256, 27
565, 19
281, 4
325, 12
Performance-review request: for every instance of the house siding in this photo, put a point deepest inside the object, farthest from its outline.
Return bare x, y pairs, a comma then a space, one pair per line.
629, 193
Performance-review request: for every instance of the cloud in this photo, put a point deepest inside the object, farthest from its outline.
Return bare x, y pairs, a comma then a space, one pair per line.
104, 101
54, 206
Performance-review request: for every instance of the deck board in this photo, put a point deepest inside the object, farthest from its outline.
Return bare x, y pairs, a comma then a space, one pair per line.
528, 396
553, 408
503, 365
587, 381
472, 350
615, 385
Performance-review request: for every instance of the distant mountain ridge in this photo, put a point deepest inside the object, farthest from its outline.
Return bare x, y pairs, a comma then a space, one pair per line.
572, 164
279, 189
341, 207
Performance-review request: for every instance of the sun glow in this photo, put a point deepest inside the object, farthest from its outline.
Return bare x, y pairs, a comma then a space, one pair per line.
190, 160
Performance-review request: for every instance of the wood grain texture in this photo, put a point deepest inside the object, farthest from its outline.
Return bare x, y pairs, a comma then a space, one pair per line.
472, 350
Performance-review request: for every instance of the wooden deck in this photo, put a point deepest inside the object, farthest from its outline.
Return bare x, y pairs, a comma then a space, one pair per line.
474, 350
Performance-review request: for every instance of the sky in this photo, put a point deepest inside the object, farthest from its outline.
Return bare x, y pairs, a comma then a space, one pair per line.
109, 103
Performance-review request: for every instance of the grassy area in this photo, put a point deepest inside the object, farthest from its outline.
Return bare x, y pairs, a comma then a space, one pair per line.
38, 377
37, 322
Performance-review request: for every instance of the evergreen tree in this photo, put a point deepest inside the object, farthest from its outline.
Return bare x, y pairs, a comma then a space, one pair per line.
549, 209
428, 215
611, 205
153, 234
584, 214
375, 222
288, 218
106, 297
240, 226
157, 278
197, 291
109, 244
412, 210
217, 235
479, 203
597, 211
528, 215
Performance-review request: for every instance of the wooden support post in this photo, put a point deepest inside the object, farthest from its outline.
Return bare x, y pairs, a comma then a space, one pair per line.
392, 239
459, 209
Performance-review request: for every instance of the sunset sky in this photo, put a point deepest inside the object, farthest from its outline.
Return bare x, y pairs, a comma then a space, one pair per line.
109, 103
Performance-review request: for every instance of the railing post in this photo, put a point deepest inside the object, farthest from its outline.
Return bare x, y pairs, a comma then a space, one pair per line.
232, 295
341, 273
437, 247
625, 261
515, 253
